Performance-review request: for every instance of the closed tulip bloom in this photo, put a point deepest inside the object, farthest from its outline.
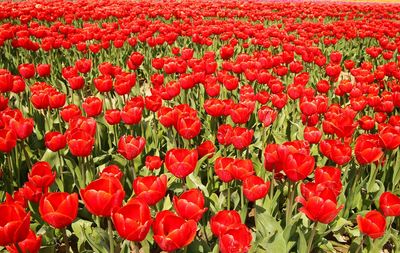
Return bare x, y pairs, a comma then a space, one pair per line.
76, 82
31, 244
242, 168
113, 116
92, 106
14, 224
32, 192
83, 65
55, 141
22, 127
172, 232
240, 113
26, 70
181, 162
241, 137
80, 142
312, 134
8, 140
319, 209
390, 204
255, 188
223, 221
112, 171
59, 209
151, 189
87, 124
131, 114
103, 195
236, 240
130, 147
206, 148
43, 70
153, 162
390, 137
190, 205
223, 168
133, 220
373, 224
367, 149
166, 116
336, 151
224, 134
69, 112
188, 127
267, 115
42, 175
298, 166
103, 83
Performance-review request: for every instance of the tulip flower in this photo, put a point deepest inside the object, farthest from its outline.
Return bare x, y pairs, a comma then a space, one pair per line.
222, 221
190, 205
102, 196
237, 239
172, 232
30, 244
14, 224
41, 175
151, 189
373, 224
181, 162
389, 204
59, 209
255, 188
130, 147
133, 220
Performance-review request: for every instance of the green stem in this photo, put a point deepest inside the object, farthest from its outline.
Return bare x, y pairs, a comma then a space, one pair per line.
360, 248
291, 190
64, 232
310, 240
27, 158
110, 235
9, 177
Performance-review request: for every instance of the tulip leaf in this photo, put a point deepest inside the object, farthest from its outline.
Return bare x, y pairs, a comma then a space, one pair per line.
97, 238
193, 181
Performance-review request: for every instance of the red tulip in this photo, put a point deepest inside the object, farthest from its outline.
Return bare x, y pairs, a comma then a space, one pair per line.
206, 148
237, 239
6, 81
103, 83
312, 134
222, 221
83, 65
76, 82
390, 137
113, 116
131, 114
255, 188
32, 192
241, 137
319, 209
8, 140
69, 112
23, 127
367, 149
92, 106
130, 147
188, 127
172, 232
55, 141
42, 175
26, 70
151, 189
111, 171
336, 151
103, 195
43, 70
224, 134
389, 204
267, 115
80, 142
181, 162
133, 220
298, 166
241, 168
190, 205
223, 168
31, 244
240, 113
153, 162
59, 209
373, 224
14, 224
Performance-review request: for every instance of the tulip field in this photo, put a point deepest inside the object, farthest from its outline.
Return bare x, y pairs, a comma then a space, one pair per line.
199, 126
